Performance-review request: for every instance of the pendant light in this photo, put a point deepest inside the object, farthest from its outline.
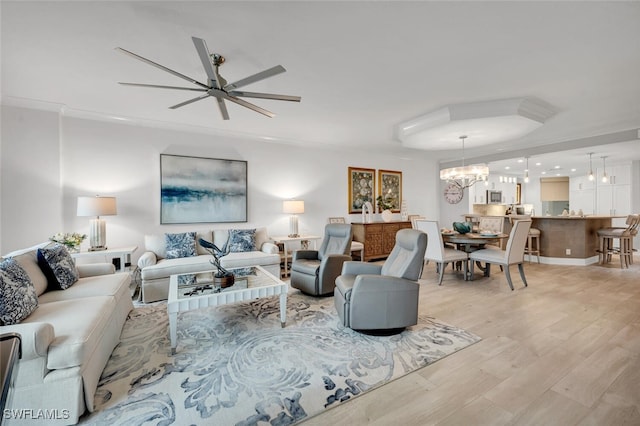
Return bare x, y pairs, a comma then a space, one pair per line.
604, 168
591, 176
526, 171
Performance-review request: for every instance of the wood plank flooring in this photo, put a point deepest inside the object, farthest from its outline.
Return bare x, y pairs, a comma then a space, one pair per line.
563, 351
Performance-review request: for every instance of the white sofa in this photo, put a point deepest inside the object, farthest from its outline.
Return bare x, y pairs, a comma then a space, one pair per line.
156, 268
68, 339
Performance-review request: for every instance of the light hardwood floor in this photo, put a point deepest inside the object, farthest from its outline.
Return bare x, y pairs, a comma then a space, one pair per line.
563, 351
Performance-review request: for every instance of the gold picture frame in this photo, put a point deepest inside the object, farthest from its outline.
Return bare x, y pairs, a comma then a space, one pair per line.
390, 188
362, 184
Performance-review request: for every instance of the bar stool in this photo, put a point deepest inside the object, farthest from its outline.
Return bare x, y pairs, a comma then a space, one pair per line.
606, 237
533, 244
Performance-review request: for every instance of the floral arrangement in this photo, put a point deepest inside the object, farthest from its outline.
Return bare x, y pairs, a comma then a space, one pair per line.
69, 239
385, 203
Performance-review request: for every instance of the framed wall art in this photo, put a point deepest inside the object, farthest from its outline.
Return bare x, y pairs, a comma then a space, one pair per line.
390, 188
361, 188
202, 190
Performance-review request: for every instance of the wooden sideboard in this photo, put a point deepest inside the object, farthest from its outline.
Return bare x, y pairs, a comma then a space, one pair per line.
378, 237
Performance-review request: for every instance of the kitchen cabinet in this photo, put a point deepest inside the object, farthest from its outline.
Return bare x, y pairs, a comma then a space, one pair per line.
614, 196
378, 238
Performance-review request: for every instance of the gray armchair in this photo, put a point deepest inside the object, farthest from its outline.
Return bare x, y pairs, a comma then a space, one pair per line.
314, 271
379, 297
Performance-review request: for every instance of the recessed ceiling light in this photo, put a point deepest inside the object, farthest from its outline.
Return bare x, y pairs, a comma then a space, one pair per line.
538, 164
521, 161
543, 173
556, 167
507, 167
573, 170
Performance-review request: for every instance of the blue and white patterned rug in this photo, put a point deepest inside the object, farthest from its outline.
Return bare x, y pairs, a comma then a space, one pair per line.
235, 365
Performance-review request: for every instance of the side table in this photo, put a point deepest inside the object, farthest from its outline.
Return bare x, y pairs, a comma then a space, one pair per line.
287, 240
123, 253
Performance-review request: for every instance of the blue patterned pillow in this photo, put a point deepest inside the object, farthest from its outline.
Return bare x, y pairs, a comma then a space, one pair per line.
241, 240
180, 245
58, 266
17, 293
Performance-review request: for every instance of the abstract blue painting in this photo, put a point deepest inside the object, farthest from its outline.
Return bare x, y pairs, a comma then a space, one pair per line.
202, 190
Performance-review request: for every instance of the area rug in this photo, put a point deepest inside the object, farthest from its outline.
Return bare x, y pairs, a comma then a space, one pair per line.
235, 365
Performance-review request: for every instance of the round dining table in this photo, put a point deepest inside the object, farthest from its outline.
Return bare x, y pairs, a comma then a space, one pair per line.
471, 242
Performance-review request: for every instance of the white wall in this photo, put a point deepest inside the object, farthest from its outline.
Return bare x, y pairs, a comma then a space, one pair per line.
30, 177
122, 160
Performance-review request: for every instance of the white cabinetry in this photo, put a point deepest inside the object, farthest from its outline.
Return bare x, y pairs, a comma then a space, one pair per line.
582, 194
614, 196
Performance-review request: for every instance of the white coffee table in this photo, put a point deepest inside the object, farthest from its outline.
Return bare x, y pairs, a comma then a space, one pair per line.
196, 290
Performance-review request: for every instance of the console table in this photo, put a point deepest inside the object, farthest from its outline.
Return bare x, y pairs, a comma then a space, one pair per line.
378, 237
123, 253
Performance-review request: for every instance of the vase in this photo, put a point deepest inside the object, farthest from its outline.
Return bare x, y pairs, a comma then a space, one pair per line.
73, 249
386, 215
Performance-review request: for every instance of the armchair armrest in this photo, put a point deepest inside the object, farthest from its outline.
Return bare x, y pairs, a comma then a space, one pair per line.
330, 268
148, 258
305, 254
93, 269
380, 283
360, 268
35, 337
269, 248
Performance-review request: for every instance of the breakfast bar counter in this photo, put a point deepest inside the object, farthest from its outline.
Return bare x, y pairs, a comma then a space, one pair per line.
570, 239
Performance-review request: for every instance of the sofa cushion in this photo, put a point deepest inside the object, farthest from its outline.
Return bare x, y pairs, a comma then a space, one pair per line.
167, 267
77, 335
241, 240
180, 245
29, 262
18, 297
58, 266
250, 258
99, 285
157, 243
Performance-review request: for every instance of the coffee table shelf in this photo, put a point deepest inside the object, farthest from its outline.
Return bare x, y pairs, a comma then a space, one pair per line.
252, 283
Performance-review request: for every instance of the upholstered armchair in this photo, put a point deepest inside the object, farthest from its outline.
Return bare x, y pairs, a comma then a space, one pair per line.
378, 297
314, 271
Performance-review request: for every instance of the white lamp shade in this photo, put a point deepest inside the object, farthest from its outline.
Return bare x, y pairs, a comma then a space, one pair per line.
96, 206
293, 206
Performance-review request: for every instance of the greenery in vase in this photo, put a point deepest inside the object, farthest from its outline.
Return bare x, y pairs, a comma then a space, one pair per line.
69, 239
384, 203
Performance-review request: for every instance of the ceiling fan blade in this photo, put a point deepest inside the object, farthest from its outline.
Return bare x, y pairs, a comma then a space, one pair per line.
223, 108
249, 105
265, 96
162, 67
162, 87
205, 58
181, 104
278, 69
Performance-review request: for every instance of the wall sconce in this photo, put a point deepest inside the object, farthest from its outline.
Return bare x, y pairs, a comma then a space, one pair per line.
97, 206
294, 208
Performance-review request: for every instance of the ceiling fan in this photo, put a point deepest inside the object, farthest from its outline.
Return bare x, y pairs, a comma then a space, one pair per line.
217, 87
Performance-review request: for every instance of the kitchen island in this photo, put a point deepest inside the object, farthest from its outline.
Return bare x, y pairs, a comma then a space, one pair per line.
570, 240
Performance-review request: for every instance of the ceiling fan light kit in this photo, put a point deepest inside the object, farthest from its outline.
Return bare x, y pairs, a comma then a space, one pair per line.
216, 86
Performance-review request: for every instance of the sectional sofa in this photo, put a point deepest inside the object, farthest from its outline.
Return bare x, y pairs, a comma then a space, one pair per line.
68, 338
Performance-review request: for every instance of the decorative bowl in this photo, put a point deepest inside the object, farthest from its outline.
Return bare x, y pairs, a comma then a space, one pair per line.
461, 227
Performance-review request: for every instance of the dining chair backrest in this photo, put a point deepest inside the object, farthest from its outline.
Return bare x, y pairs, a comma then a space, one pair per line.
435, 245
492, 224
517, 241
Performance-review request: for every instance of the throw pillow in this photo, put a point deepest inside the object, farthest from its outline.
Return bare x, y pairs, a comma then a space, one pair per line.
17, 293
58, 266
180, 245
241, 240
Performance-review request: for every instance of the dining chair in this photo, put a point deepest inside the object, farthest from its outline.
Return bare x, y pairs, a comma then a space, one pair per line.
494, 224
436, 250
512, 255
356, 246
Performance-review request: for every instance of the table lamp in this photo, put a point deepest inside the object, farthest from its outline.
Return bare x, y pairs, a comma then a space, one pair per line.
97, 206
294, 208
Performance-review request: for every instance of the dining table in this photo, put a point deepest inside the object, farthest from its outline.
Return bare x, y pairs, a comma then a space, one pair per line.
470, 242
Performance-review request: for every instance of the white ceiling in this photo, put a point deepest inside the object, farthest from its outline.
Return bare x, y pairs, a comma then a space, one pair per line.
361, 67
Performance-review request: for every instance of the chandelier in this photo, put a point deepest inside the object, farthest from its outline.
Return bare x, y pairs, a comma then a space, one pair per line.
465, 176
